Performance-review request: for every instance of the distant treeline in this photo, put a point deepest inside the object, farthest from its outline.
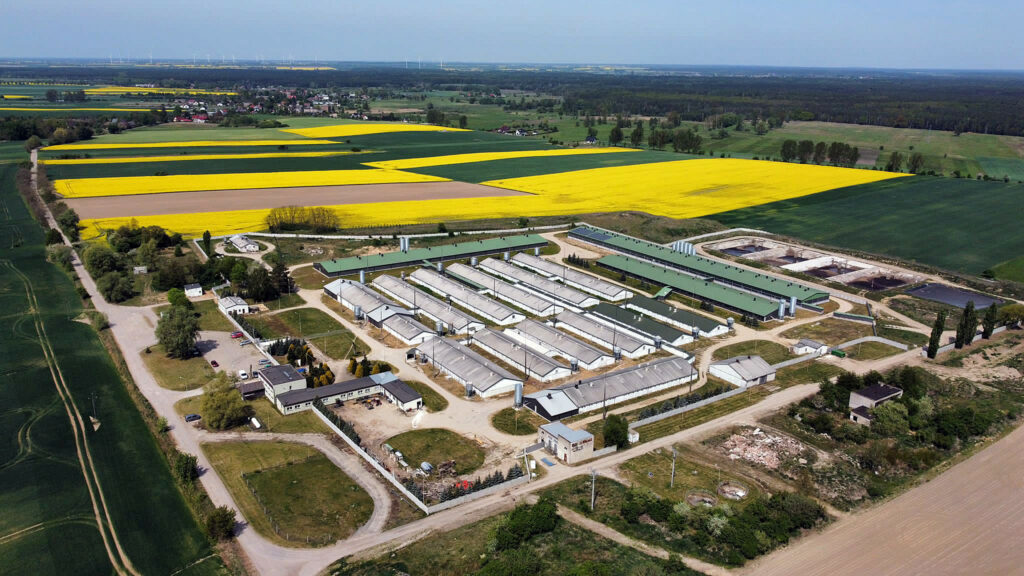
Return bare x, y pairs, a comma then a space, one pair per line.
958, 101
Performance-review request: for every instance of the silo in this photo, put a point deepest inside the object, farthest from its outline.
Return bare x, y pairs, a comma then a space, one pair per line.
439, 327
792, 305
730, 321
469, 390
440, 267
574, 365
696, 333
657, 342
505, 256
536, 251
518, 400
617, 353
473, 261
782, 309
362, 276
358, 312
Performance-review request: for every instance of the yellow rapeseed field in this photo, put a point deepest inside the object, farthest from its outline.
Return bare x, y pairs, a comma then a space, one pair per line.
182, 158
73, 109
129, 185
409, 163
680, 189
16, 97
140, 90
357, 129
188, 144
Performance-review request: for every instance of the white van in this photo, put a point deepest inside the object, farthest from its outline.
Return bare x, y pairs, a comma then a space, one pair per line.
243, 375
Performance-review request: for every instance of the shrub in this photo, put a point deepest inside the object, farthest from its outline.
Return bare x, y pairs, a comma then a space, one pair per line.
220, 524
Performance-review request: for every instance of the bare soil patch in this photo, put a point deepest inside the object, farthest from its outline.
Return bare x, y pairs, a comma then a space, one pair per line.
254, 199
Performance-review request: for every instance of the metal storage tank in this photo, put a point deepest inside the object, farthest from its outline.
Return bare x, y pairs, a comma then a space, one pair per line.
518, 399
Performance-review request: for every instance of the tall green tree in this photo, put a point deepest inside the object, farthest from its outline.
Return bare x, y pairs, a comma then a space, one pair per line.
820, 152
895, 163
967, 327
177, 331
988, 323
804, 151
935, 340
636, 137
207, 244
176, 296
615, 136
221, 405
789, 150
260, 286
616, 431
915, 163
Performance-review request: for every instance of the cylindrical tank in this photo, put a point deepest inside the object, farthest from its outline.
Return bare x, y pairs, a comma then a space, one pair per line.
792, 305
536, 251
358, 312
473, 261
696, 333
782, 309
469, 390
439, 326
440, 267
730, 321
505, 256
518, 399
657, 342
362, 276
617, 353
574, 365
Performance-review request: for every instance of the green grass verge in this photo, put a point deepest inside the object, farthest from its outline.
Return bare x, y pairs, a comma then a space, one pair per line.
871, 351
314, 325
1010, 270
305, 422
518, 422
700, 415
432, 400
654, 472
175, 373
436, 445
919, 219
806, 373
830, 331
772, 352
308, 278
209, 315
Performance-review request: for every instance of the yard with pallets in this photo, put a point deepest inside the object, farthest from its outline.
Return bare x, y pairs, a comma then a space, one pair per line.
312, 324
437, 445
301, 498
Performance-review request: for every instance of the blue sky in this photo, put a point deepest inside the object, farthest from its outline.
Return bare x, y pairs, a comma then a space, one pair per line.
867, 33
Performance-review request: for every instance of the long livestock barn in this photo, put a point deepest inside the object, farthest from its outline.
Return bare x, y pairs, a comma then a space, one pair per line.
539, 284
458, 293
636, 324
519, 356
675, 316
467, 367
408, 330
612, 388
452, 319
701, 267
718, 294
553, 342
403, 258
522, 299
604, 335
572, 277
362, 301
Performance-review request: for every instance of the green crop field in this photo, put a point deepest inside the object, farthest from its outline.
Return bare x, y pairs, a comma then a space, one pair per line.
48, 522
436, 445
961, 225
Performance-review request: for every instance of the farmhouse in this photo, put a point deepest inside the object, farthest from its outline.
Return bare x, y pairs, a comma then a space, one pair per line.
675, 316
233, 305
699, 266
636, 324
572, 277
539, 284
478, 374
520, 357
608, 336
743, 371
502, 290
411, 257
612, 388
863, 401
386, 383
451, 318
568, 445
808, 346
476, 303
554, 342
705, 290
407, 329
243, 244
193, 290
362, 301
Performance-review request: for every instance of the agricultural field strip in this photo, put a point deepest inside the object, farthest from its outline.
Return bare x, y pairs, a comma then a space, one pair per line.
9, 109
132, 185
686, 189
117, 90
186, 158
345, 130
181, 144
410, 163
121, 563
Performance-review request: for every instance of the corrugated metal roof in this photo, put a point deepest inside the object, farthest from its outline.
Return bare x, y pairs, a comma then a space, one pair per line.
562, 431
593, 283
747, 367
638, 322
676, 313
565, 345
433, 254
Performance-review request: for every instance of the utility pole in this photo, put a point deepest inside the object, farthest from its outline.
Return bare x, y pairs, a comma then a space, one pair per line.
672, 482
593, 487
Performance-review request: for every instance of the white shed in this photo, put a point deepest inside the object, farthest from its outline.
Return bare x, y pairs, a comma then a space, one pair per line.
743, 371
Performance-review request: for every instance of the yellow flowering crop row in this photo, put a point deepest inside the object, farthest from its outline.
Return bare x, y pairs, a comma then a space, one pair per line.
680, 189
128, 185
16, 97
409, 163
76, 109
356, 129
189, 144
181, 158
138, 90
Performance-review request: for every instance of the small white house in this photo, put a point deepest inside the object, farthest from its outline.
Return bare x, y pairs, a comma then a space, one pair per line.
863, 401
140, 270
243, 244
806, 346
743, 371
233, 305
193, 290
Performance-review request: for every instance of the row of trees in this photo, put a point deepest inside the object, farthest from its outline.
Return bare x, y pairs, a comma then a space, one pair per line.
804, 151
966, 327
317, 218
365, 367
459, 489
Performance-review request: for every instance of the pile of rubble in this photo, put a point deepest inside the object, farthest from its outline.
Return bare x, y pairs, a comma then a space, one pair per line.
759, 447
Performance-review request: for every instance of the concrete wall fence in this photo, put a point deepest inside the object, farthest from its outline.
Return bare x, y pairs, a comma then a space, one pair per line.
687, 408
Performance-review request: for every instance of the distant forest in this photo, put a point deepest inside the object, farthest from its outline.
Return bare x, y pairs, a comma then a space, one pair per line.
982, 102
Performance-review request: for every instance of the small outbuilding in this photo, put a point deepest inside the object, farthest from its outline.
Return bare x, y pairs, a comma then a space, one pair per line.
233, 305
743, 371
808, 346
243, 244
863, 401
193, 290
568, 445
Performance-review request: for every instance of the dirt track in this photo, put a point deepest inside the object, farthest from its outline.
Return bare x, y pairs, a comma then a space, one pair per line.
253, 199
966, 521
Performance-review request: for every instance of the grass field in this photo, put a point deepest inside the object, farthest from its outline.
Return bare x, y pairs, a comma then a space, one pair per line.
209, 315
831, 331
806, 373
362, 129
654, 472
772, 352
315, 326
432, 400
1010, 270
43, 493
270, 418
871, 351
436, 445
306, 495
700, 415
516, 422
920, 219
177, 373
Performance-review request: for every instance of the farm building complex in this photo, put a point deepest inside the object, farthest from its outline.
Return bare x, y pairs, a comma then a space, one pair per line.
553, 342
572, 277
467, 367
475, 302
675, 316
518, 297
636, 324
604, 335
387, 384
362, 301
743, 371
403, 258
519, 356
535, 283
611, 388
451, 318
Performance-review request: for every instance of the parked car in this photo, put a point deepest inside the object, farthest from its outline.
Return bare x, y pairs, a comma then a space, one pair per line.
243, 374
236, 334
214, 363
244, 342
192, 417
